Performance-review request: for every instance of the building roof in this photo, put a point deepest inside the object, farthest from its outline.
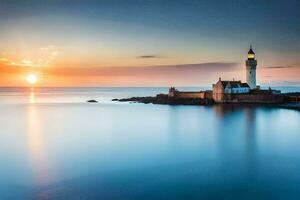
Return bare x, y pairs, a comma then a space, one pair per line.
234, 84
251, 51
245, 85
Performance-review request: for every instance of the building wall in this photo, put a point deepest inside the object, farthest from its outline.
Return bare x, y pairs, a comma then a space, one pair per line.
200, 95
208, 94
251, 73
185, 95
241, 90
251, 98
237, 90
221, 94
218, 92
257, 98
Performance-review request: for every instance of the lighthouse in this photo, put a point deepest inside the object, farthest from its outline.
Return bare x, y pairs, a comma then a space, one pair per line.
251, 63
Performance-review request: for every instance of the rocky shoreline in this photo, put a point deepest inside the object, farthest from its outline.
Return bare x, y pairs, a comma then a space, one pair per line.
164, 99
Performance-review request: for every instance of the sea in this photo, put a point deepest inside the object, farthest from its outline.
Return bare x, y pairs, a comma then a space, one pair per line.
55, 145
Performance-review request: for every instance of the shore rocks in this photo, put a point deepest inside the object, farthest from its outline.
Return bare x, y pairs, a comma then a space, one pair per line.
92, 101
165, 100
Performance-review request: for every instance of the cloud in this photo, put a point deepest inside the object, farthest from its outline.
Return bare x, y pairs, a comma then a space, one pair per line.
4, 60
148, 56
199, 69
281, 67
25, 63
159, 75
183, 70
281, 83
28, 63
46, 56
49, 53
49, 47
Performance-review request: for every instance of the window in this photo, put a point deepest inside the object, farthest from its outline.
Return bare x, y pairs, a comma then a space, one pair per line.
251, 56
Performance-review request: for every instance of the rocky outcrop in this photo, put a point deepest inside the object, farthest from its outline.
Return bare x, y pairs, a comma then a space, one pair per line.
166, 100
289, 101
92, 101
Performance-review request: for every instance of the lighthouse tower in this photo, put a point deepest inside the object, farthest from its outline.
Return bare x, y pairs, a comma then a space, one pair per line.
251, 63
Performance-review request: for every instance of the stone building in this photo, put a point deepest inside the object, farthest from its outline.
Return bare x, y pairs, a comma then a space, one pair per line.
174, 93
223, 90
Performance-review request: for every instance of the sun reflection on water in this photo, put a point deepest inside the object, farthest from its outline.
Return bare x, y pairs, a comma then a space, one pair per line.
32, 96
35, 142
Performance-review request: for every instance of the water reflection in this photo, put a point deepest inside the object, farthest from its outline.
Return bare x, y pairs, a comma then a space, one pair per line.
136, 150
227, 109
35, 142
32, 96
174, 126
236, 135
250, 132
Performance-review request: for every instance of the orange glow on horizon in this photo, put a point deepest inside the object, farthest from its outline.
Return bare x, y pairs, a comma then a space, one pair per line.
161, 75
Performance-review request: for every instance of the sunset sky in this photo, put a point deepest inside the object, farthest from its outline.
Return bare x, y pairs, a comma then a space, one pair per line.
147, 43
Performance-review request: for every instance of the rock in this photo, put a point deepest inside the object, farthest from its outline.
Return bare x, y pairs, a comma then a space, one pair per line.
164, 99
92, 101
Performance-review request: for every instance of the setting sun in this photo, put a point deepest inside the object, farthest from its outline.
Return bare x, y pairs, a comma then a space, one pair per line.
31, 78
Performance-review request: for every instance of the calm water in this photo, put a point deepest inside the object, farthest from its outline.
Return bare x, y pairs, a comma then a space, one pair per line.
53, 145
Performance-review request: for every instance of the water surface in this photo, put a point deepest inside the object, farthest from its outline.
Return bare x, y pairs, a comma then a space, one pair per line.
53, 145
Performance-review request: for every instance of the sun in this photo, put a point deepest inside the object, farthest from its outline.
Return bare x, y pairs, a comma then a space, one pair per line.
31, 79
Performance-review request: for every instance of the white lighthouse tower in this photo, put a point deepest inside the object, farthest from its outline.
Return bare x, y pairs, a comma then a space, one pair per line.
251, 63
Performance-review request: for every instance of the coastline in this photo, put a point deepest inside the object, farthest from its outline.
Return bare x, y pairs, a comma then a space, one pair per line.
163, 99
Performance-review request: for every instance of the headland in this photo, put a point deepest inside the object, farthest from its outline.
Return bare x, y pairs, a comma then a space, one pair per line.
227, 92
284, 100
